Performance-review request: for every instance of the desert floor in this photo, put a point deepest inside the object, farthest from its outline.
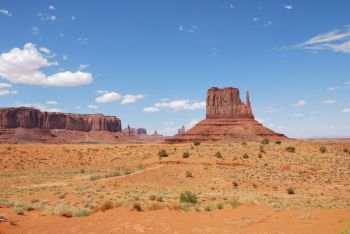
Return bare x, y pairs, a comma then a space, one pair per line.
128, 188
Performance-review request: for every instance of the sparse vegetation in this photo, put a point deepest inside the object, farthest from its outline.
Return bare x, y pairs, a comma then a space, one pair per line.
290, 149
189, 174
278, 142
137, 206
188, 197
107, 205
290, 190
244, 143
196, 142
265, 141
82, 213
234, 202
186, 154
218, 154
162, 153
323, 149
245, 156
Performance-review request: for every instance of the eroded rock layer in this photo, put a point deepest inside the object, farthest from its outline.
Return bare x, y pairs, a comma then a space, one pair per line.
24, 117
227, 118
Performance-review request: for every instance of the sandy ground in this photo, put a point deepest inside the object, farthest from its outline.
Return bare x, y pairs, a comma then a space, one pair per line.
128, 188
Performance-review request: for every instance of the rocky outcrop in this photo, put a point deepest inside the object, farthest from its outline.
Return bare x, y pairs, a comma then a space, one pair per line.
226, 103
24, 117
227, 118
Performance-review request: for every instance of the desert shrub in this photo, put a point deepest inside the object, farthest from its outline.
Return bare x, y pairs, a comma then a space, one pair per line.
82, 213
346, 150
290, 190
196, 142
265, 141
35, 200
156, 206
188, 197
244, 143
260, 155
290, 149
62, 195
189, 174
261, 149
218, 154
82, 171
19, 210
345, 227
5, 202
152, 197
220, 206
162, 153
137, 206
323, 149
107, 205
278, 142
21, 207
245, 156
186, 154
209, 208
235, 184
63, 209
160, 199
234, 202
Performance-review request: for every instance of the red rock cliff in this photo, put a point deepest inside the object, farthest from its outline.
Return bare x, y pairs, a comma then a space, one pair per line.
226, 103
32, 118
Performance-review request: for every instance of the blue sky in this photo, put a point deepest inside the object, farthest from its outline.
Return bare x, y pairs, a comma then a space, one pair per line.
151, 62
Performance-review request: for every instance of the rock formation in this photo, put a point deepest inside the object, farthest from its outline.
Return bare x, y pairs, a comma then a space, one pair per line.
25, 117
227, 118
135, 131
181, 130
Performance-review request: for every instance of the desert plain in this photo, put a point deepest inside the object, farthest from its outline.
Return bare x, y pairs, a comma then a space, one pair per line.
290, 186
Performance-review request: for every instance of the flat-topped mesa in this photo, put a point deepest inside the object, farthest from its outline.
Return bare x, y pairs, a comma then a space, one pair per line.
25, 117
226, 103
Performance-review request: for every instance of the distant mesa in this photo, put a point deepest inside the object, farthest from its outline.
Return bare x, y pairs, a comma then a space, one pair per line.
227, 118
134, 131
181, 130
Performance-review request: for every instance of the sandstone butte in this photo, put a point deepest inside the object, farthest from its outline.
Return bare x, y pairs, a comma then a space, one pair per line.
227, 118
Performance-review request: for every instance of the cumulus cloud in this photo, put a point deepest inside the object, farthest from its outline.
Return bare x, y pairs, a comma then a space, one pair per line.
52, 8
300, 103
337, 40
92, 106
108, 97
23, 66
5, 12
180, 105
298, 114
329, 101
346, 110
191, 29
115, 97
5, 89
83, 66
151, 109
45, 50
288, 7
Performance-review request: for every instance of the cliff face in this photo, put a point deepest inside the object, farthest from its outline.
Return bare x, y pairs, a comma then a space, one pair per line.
32, 118
226, 103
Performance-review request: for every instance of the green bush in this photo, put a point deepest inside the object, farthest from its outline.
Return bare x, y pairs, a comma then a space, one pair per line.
323, 149
220, 206
188, 197
278, 142
218, 154
196, 142
186, 154
261, 148
81, 213
290, 149
189, 174
245, 156
265, 141
234, 202
244, 143
162, 153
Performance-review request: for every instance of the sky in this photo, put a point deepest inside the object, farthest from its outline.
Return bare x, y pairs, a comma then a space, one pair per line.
151, 62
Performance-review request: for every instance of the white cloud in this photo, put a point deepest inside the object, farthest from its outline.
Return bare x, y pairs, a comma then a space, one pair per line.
39, 106
335, 40
45, 50
73, 17
65, 56
83, 66
52, 8
7, 91
271, 109
5, 12
181, 28
255, 19
191, 29
108, 97
346, 110
288, 7
329, 101
23, 66
231, 6
151, 109
298, 115
300, 103
83, 40
35, 30
181, 105
51, 102
101, 91
5, 85
92, 106
61, 35
128, 99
